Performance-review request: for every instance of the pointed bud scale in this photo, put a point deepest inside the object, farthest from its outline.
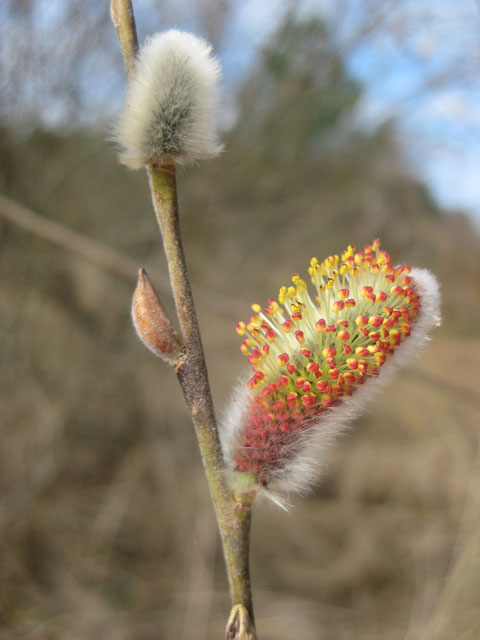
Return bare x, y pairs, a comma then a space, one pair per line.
317, 376
151, 322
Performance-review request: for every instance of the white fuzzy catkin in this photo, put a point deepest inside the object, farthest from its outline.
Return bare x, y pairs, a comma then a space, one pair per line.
171, 102
305, 465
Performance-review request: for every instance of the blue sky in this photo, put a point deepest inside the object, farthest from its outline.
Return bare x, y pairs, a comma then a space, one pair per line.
421, 67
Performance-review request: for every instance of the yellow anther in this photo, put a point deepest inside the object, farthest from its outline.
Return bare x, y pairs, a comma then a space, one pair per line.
291, 291
301, 284
257, 308
281, 295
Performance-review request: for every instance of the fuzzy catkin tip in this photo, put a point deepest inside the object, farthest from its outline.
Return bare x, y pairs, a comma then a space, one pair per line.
169, 113
318, 361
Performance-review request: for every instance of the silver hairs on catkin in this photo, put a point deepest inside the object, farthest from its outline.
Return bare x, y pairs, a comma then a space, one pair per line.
171, 102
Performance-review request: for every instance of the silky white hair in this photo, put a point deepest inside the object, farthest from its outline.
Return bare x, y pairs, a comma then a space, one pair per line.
305, 464
171, 101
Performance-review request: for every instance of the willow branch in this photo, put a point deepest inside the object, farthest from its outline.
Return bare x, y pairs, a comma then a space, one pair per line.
233, 516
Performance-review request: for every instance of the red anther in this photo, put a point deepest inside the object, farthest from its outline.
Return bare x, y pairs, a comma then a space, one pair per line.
362, 351
306, 353
287, 326
343, 335
327, 401
331, 363
322, 385
329, 352
350, 302
343, 323
364, 291
358, 257
300, 382
405, 329
375, 321
312, 367
265, 348
352, 363
361, 321
381, 296
347, 348
364, 331
331, 328
240, 328
309, 400
291, 368
292, 399
374, 336
376, 244
300, 337
349, 377
370, 297
297, 315
383, 256
320, 326
333, 373
337, 306
388, 322
341, 380
283, 381
270, 335
343, 293
282, 359
396, 290
306, 387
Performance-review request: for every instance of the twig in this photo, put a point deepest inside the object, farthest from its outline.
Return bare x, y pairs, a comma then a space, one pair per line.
72, 241
102, 255
233, 516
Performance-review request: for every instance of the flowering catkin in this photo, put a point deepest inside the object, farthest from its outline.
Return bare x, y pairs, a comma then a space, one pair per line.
171, 101
316, 363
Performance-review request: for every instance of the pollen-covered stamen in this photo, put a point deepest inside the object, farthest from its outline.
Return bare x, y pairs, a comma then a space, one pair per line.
308, 354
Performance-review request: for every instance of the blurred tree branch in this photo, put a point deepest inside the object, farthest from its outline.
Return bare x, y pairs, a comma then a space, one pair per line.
102, 255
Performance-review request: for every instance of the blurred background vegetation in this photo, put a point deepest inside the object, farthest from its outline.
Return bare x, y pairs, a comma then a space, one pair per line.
106, 525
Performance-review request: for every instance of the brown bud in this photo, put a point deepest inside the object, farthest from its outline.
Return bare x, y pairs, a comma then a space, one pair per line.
151, 322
